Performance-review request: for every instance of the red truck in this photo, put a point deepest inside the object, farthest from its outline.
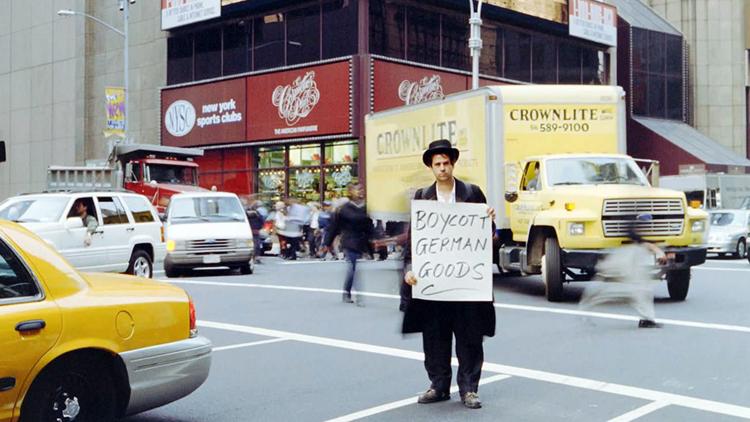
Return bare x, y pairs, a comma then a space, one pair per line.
156, 171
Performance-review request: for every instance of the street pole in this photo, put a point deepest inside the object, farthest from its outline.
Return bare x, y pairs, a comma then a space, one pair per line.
475, 41
125, 14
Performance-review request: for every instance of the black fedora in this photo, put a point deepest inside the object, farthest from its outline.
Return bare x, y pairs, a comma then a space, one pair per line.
441, 146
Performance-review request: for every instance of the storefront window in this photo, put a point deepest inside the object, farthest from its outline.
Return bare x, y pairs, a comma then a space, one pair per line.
304, 155
544, 62
180, 59
304, 184
271, 157
342, 153
271, 184
337, 178
455, 38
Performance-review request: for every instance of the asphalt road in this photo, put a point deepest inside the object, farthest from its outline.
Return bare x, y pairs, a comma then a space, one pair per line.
288, 349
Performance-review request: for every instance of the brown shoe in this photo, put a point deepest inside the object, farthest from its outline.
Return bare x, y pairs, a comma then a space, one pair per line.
433, 396
471, 400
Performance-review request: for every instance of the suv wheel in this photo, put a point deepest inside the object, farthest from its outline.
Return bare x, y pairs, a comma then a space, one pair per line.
140, 264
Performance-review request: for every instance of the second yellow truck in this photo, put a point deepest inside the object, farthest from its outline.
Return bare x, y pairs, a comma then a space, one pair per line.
551, 160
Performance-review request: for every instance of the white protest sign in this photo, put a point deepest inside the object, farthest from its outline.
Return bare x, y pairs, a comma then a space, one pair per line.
451, 247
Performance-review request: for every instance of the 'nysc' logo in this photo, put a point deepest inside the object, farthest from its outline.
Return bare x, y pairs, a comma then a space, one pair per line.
179, 118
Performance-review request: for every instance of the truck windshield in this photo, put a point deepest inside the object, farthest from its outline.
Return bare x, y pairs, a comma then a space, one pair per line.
33, 210
163, 173
219, 208
594, 171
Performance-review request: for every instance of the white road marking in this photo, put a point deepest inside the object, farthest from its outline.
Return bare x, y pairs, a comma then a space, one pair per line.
722, 269
403, 403
250, 344
529, 308
640, 412
550, 377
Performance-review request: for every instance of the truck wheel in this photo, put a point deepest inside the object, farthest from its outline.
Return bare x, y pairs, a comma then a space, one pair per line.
140, 264
72, 389
678, 283
741, 250
170, 271
248, 268
552, 271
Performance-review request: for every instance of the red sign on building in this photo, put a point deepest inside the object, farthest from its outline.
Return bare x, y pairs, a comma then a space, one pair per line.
300, 103
204, 114
398, 84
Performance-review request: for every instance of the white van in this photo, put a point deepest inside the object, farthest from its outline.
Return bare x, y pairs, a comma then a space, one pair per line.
207, 229
128, 237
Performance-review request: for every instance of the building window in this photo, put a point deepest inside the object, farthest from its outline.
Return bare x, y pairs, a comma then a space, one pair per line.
180, 59
235, 48
517, 55
454, 39
423, 36
340, 28
544, 60
303, 35
387, 29
657, 79
268, 41
569, 63
208, 54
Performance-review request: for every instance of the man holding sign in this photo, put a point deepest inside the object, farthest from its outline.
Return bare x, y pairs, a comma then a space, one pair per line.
448, 277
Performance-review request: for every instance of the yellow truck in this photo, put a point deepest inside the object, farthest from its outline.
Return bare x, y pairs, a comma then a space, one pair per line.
551, 159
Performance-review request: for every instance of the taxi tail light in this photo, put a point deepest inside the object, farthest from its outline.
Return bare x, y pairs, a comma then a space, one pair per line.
193, 328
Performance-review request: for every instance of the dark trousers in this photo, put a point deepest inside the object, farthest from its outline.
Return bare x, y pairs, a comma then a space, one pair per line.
352, 256
437, 340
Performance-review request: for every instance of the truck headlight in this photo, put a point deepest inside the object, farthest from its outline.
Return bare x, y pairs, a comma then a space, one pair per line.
698, 226
576, 229
171, 245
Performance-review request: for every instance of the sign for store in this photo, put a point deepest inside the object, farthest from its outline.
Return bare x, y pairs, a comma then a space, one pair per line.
204, 114
593, 20
399, 84
176, 13
305, 102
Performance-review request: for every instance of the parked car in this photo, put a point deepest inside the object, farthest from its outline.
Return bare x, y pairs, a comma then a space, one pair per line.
728, 232
128, 238
91, 347
207, 229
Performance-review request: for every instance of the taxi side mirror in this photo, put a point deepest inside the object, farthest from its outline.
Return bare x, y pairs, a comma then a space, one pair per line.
73, 223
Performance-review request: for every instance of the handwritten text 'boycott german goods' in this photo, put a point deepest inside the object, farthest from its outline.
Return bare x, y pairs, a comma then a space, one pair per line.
451, 251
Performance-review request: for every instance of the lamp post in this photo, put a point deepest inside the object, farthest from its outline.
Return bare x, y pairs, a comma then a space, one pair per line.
124, 34
475, 41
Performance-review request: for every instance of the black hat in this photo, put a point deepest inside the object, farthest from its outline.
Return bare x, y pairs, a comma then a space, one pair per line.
441, 146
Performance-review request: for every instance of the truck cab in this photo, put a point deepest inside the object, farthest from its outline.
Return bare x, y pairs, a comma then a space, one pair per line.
567, 210
160, 178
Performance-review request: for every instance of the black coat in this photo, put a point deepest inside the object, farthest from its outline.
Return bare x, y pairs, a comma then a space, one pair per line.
417, 311
354, 226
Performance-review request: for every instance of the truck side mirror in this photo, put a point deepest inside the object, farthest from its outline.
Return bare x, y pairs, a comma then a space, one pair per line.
2, 151
511, 182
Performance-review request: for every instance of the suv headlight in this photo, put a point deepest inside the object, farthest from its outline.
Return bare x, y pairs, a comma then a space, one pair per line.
173, 245
576, 229
698, 226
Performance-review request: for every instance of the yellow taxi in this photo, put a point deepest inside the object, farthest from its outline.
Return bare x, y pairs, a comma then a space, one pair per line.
89, 347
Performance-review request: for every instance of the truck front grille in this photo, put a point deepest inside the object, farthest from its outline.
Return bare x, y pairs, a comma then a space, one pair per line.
210, 245
620, 215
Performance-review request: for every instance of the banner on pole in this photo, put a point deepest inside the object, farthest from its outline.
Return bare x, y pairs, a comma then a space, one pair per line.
115, 107
451, 248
